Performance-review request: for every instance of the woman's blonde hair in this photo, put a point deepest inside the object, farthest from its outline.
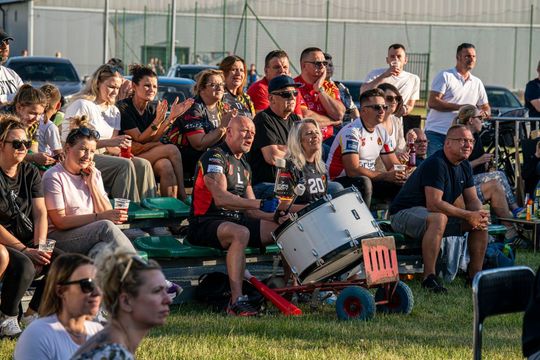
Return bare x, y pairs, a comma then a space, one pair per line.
28, 96
53, 95
61, 269
465, 113
9, 122
112, 266
103, 73
295, 152
202, 78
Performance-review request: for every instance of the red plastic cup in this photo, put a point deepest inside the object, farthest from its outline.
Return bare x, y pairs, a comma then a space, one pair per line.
125, 152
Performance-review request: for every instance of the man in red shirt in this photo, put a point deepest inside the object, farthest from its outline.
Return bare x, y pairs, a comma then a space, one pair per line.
320, 95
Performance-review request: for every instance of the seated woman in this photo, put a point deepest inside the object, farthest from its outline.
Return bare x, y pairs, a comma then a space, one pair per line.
135, 296
491, 186
145, 123
71, 297
234, 69
80, 213
123, 178
23, 225
204, 124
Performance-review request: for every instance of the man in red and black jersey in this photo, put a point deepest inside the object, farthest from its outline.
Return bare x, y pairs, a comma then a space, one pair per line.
224, 211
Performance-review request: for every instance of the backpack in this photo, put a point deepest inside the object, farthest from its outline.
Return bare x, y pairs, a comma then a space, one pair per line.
497, 255
214, 291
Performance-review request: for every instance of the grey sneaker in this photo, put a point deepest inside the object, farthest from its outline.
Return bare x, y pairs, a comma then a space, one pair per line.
27, 320
9, 327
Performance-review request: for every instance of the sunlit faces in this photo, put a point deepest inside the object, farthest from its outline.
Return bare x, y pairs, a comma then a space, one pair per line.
80, 155
283, 101
392, 100
466, 58
8, 148
74, 299
213, 89
397, 55
147, 88
314, 64
4, 51
311, 138
421, 143
29, 114
476, 123
373, 111
151, 305
234, 79
459, 144
241, 132
108, 89
276, 67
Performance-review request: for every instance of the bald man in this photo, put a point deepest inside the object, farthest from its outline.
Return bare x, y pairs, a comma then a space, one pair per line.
224, 211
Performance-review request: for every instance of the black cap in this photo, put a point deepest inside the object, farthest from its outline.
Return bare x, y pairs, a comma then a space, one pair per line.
4, 35
282, 81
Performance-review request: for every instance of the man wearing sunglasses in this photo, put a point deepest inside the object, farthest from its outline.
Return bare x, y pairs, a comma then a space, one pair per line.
357, 146
420, 141
408, 84
272, 128
320, 95
10, 81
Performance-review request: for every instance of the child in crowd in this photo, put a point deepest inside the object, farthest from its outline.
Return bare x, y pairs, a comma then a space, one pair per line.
48, 134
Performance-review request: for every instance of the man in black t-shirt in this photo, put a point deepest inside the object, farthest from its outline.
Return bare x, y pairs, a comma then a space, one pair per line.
225, 213
272, 127
430, 205
532, 95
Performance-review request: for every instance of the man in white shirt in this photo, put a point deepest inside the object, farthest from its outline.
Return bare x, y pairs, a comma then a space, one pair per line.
10, 82
408, 84
450, 90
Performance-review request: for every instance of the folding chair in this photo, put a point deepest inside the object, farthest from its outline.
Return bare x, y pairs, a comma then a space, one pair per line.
498, 291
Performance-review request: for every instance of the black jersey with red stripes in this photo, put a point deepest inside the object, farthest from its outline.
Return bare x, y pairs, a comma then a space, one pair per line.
219, 160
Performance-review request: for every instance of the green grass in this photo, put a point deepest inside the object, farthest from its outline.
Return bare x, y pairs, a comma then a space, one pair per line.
440, 327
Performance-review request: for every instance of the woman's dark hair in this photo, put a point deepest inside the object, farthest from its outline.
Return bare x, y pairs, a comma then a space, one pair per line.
52, 93
28, 96
227, 64
392, 88
61, 269
138, 71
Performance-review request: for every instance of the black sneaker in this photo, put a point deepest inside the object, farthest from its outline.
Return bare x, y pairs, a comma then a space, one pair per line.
430, 283
242, 307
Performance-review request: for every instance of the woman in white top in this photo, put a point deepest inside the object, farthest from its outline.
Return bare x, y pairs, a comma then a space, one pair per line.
123, 178
71, 296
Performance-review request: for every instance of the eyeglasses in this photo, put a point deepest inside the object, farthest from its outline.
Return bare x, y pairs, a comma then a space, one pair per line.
136, 258
87, 285
216, 86
287, 94
391, 98
377, 107
18, 144
318, 64
462, 141
84, 131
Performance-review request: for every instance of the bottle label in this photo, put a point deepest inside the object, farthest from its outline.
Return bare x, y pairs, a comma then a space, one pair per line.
284, 188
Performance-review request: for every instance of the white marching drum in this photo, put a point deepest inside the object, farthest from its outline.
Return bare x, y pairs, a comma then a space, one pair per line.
323, 239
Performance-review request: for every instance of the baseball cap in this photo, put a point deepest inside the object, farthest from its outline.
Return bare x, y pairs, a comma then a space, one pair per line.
4, 35
282, 81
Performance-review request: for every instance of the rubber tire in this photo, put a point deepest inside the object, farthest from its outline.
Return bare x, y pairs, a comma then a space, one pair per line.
402, 302
355, 303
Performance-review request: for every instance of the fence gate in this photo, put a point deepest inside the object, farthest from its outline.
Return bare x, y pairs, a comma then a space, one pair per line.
419, 64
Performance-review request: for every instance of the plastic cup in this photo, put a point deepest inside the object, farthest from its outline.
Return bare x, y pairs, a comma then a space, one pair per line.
126, 152
121, 204
400, 167
47, 246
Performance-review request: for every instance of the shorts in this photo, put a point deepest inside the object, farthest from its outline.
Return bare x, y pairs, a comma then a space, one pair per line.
203, 232
412, 222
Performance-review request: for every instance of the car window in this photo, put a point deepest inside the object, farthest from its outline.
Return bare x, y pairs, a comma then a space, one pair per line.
45, 71
170, 92
500, 98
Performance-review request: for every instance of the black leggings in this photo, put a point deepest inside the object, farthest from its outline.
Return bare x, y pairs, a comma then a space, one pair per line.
18, 277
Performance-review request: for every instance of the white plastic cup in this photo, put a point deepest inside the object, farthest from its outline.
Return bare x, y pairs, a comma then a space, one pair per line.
47, 246
400, 167
120, 203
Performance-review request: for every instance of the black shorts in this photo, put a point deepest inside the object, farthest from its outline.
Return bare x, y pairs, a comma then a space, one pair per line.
203, 232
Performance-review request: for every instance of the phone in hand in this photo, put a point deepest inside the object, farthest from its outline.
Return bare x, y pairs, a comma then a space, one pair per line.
85, 172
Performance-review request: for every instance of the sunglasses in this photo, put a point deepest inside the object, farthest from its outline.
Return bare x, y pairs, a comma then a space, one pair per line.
377, 107
287, 94
87, 285
134, 258
318, 64
219, 86
84, 131
116, 69
420, 142
391, 98
18, 144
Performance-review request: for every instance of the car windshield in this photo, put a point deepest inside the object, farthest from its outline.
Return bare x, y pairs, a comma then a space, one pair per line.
45, 71
499, 98
171, 92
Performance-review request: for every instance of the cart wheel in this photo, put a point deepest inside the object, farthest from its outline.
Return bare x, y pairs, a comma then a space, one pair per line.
355, 302
401, 302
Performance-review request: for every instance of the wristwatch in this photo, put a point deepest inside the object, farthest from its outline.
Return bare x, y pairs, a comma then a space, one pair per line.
320, 90
154, 127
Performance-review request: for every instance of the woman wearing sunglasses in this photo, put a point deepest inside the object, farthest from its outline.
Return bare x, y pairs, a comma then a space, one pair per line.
78, 207
234, 69
70, 298
131, 178
146, 123
205, 122
135, 296
491, 186
21, 200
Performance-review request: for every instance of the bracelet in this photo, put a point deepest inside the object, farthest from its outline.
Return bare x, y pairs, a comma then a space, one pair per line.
24, 248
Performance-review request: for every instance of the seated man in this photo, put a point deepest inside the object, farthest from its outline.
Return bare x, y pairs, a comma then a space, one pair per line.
224, 211
357, 146
428, 205
421, 142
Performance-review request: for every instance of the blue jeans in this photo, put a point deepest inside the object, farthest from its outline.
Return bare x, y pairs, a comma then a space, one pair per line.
263, 190
435, 142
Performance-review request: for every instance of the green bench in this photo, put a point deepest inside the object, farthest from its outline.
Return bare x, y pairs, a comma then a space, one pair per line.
174, 207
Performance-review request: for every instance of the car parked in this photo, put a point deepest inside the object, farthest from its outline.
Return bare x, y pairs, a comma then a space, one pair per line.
39, 70
188, 70
171, 87
503, 101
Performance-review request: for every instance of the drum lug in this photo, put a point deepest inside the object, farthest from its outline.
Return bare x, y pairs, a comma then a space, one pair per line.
376, 226
329, 199
280, 247
293, 270
315, 253
274, 237
352, 241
